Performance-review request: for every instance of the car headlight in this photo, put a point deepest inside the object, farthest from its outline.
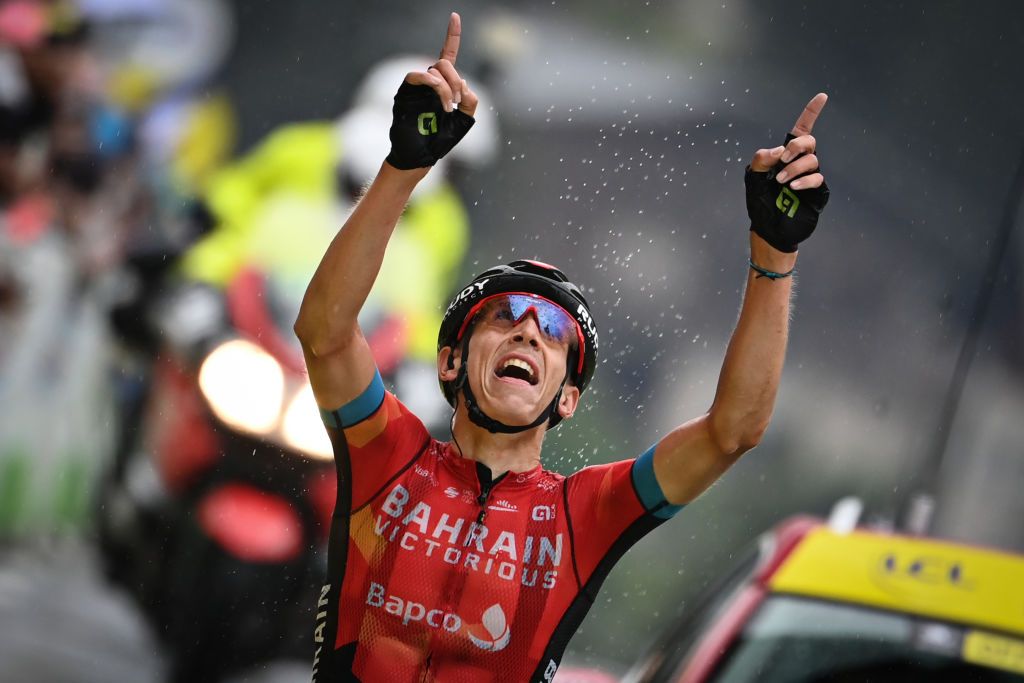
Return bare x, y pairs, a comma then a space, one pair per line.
302, 429
244, 386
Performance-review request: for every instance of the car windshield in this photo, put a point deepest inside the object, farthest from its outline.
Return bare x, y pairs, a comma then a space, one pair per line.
798, 640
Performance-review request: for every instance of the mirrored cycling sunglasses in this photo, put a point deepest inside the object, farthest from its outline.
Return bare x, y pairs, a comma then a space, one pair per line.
509, 309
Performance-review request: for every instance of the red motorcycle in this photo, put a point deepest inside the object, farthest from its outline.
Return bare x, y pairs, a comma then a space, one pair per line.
216, 511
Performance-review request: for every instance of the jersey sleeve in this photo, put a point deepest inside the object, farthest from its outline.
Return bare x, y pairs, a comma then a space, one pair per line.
648, 490
611, 507
375, 437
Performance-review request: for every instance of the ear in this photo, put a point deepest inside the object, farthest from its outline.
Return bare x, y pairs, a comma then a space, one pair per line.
448, 363
569, 400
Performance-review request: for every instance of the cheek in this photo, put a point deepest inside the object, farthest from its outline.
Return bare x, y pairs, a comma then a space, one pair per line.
481, 348
556, 361
477, 364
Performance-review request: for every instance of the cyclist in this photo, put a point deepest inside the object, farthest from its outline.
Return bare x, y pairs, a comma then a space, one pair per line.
467, 561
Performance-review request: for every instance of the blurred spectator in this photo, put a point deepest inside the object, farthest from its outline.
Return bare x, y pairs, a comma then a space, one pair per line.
55, 234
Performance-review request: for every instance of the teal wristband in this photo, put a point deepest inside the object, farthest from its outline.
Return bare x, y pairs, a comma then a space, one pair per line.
764, 272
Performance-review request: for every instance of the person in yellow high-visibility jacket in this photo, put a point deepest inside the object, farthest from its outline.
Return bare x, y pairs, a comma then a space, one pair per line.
278, 208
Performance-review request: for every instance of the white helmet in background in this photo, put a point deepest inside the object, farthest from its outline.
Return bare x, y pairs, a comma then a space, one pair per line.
363, 130
361, 138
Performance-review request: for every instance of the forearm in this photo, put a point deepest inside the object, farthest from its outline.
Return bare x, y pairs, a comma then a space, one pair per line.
691, 457
753, 362
338, 290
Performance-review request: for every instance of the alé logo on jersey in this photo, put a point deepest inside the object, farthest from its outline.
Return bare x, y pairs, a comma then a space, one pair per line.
542, 513
492, 633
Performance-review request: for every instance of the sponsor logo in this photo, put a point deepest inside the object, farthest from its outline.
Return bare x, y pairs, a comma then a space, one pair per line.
498, 632
591, 327
550, 669
412, 612
425, 473
426, 124
503, 504
494, 635
907, 575
547, 485
465, 494
321, 624
529, 560
471, 291
787, 202
542, 513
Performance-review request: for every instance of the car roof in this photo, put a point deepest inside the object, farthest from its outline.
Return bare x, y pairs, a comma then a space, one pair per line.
920, 576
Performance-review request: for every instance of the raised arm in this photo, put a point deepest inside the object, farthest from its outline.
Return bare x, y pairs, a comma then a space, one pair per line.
433, 111
785, 194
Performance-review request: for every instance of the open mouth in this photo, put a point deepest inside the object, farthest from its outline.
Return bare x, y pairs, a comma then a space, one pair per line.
516, 368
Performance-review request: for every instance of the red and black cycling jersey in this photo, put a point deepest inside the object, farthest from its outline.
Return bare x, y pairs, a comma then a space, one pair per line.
437, 572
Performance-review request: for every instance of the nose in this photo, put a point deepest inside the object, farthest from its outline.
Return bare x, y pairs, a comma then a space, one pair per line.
528, 329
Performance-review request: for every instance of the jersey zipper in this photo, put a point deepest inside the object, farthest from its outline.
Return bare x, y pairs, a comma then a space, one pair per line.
487, 484
481, 500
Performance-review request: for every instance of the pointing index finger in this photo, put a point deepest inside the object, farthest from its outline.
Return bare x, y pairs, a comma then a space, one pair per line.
809, 115
451, 41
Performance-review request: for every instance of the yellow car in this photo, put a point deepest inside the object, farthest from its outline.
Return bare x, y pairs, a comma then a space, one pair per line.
816, 604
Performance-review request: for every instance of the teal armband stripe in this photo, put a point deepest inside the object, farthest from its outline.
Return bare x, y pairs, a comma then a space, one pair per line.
358, 409
648, 489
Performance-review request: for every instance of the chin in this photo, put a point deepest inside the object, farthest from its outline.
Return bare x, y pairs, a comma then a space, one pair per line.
513, 416
512, 410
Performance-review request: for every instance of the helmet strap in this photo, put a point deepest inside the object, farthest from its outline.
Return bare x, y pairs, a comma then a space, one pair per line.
481, 419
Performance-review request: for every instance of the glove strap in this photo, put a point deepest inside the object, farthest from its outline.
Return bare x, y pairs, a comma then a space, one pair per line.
770, 274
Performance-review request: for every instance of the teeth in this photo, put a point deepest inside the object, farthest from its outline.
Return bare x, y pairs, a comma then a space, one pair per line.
515, 362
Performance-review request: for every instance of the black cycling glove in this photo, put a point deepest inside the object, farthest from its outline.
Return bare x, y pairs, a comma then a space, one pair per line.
784, 217
422, 131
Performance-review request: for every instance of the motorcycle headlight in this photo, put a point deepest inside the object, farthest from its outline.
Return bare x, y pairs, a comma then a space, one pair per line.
244, 386
302, 429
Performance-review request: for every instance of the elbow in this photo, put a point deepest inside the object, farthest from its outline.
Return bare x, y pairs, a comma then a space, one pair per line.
319, 338
751, 435
734, 438
305, 330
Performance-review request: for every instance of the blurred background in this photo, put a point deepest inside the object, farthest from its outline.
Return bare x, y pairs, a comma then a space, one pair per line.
171, 171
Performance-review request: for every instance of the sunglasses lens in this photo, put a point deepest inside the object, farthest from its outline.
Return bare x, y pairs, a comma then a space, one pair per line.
553, 321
